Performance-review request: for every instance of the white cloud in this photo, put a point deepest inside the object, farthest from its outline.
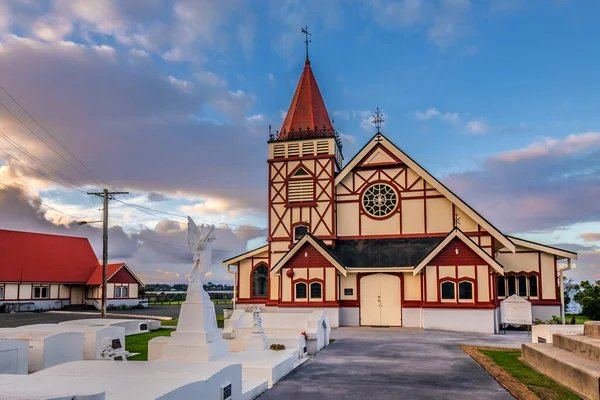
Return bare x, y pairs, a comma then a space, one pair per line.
210, 78
271, 77
348, 138
554, 147
51, 31
182, 84
477, 126
255, 118
139, 53
433, 113
174, 55
282, 114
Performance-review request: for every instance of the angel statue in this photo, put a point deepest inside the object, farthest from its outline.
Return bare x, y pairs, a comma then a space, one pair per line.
199, 242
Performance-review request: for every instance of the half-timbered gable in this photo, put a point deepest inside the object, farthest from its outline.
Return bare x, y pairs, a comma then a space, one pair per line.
380, 241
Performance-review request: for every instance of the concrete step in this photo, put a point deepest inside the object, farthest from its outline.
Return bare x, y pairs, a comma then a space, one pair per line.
578, 373
585, 346
592, 329
252, 388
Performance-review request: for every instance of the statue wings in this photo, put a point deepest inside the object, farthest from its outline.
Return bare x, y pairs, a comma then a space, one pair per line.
197, 235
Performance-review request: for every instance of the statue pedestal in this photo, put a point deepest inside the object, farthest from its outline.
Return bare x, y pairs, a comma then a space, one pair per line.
257, 340
197, 337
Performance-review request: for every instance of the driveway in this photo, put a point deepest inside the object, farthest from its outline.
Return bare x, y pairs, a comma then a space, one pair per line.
387, 363
27, 318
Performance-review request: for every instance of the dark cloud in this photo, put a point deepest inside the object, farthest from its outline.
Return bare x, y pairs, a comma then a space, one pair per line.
156, 197
133, 127
542, 187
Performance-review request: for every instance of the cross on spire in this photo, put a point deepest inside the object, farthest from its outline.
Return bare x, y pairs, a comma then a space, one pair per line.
378, 119
306, 40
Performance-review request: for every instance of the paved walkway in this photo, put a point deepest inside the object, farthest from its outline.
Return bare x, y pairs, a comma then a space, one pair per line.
378, 364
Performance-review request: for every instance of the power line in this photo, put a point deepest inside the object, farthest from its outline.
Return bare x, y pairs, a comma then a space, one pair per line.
152, 211
39, 161
38, 201
43, 141
41, 173
184, 216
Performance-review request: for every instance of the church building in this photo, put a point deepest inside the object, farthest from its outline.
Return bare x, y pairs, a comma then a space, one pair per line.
378, 241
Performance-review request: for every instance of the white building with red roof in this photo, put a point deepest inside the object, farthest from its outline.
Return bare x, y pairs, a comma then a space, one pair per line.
40, 272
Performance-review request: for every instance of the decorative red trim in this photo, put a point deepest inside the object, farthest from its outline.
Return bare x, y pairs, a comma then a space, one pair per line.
412, 304
252, 301
307, 304
349, 303
406, 235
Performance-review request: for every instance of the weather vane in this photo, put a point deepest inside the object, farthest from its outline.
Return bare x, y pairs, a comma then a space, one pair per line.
306, 40
378, 119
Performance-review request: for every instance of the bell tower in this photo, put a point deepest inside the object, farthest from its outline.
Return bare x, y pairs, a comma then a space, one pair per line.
303, 159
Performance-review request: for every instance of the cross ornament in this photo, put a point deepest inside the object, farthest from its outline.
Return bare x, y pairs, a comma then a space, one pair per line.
306, 40
456, 220
378, 119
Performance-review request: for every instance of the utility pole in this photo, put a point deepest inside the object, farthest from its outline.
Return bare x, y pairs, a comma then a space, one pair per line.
106, 195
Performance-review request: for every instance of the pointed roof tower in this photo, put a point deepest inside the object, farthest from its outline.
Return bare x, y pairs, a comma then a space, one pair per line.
307, 110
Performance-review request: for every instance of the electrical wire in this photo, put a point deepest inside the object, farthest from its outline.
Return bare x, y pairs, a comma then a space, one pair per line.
38, 201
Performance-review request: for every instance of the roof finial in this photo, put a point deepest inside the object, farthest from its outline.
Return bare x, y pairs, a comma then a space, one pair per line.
306, 40
378, 119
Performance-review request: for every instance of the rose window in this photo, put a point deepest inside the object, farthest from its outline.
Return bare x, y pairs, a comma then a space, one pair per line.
380, 200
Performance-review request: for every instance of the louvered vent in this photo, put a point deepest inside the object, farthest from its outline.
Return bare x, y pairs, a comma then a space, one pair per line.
322, 147
293, 149
300, 191
279, 150
308, 148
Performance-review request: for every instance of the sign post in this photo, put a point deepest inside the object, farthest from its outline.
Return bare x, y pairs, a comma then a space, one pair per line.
515, 310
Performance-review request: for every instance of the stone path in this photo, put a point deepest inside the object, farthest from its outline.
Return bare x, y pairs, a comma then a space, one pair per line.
374, 364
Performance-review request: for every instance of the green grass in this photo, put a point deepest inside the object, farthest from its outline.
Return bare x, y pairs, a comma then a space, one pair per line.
173, 322
139, 343
541, 385
579, 319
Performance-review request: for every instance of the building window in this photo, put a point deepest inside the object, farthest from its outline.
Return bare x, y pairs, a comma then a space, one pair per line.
533, 286
121, 292
300, 290
379, 200
501, 286
465, 291
300, 231
301, 187
315, 290
522, 285
41, 292
512, 285
1, 292
260, 281
448, 291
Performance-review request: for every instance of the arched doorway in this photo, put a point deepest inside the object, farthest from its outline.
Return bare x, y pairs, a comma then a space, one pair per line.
380, 300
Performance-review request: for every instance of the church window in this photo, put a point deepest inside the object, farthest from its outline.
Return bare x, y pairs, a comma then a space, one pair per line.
279, 150
465, 291
501, 286
315, 290
300, 290
523, 285
512, 285
322, 147
380, 200
293, 149
308, 148
448, 291
301, 189
300, 231
260, 281
533, 286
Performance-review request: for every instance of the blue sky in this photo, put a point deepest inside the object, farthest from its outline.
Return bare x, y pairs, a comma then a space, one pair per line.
171, 101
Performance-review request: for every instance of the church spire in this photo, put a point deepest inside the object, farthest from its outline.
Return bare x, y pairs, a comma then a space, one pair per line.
307, 112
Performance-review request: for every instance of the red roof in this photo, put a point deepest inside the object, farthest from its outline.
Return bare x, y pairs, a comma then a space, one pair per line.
39, 257
307, 110
96, 277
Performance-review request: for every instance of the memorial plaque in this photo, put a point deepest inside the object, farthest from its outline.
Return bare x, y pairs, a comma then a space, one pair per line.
515, 310
348, 292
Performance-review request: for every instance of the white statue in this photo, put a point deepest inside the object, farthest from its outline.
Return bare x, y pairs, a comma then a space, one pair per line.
257, 317
199, 242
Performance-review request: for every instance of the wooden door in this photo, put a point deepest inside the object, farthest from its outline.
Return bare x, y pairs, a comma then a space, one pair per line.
76, 295
380, 300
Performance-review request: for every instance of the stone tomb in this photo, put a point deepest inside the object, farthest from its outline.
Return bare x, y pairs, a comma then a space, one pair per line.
544, 333
282, 328
114, 380
13, 356
47, 349
571, 360
132, 326
94, 337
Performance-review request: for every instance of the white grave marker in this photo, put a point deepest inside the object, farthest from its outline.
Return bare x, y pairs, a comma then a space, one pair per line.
515, 310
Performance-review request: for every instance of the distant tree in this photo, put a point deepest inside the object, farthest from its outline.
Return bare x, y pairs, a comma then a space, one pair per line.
588, 297
569, 287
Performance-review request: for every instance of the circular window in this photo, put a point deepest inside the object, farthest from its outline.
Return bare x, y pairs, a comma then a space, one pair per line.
380, 200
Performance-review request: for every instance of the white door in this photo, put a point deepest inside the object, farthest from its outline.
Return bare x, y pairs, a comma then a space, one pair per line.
380, 300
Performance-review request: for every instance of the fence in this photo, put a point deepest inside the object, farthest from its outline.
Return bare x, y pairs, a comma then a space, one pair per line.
178, 298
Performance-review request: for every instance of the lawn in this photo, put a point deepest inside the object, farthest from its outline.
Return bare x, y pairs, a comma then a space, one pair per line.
544, 387
139, 343
579, 319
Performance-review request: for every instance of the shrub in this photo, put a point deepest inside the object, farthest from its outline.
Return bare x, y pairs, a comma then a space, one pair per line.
277, 347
